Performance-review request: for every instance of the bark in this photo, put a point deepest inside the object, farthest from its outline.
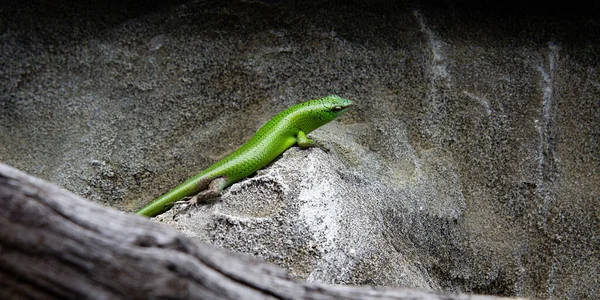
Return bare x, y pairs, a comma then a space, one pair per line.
54, 244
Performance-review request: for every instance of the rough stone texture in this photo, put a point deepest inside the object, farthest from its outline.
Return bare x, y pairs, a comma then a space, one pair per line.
470, 163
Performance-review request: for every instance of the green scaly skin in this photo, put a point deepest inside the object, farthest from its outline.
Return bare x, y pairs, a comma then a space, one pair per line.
286, 129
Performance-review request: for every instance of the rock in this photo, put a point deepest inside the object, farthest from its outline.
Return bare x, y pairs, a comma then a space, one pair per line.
319, 213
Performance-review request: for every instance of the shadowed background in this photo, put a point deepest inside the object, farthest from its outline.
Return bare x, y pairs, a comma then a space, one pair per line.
474, 141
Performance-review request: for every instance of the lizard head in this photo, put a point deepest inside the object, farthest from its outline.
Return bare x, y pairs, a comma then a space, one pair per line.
312, 114
335, 105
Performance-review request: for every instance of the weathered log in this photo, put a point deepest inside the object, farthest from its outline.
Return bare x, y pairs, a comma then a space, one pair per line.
54, 244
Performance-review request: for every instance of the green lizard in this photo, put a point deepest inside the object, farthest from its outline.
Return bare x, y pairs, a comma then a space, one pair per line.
286, 129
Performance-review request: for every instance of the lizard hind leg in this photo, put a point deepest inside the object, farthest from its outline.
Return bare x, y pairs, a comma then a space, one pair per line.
214, 190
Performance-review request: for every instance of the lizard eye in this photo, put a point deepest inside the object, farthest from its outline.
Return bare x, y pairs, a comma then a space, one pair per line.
337, 108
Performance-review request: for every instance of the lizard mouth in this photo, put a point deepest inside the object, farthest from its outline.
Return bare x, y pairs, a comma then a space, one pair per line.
343, 109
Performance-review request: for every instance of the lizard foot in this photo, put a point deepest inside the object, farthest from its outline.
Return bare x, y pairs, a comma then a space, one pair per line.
186, 203
321, 146
189, 201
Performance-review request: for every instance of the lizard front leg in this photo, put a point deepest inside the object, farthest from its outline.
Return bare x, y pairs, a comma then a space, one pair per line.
304, 142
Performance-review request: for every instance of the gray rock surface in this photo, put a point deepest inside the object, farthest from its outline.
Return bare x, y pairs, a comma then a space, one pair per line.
471, 161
